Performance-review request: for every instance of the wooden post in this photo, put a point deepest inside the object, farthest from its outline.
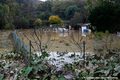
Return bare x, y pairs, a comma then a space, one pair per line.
30, 52
84, 51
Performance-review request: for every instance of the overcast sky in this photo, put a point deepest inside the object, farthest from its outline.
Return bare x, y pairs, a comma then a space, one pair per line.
42, 0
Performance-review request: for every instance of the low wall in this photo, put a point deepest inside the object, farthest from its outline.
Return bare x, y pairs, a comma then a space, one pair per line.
20, 47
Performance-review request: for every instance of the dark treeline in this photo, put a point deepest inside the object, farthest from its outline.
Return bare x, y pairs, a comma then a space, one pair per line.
17, 13
104, 14
22, 13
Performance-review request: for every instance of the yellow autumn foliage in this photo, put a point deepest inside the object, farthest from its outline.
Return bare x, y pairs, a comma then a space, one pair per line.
55, 20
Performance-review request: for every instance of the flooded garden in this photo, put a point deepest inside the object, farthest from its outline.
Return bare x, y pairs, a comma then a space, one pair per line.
55, 57
59, 40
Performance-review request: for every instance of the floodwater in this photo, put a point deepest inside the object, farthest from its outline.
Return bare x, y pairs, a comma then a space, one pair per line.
56, 40
5, 41
70, 41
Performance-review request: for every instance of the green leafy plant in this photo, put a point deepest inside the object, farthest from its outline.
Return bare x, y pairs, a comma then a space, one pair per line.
26, 71
1, 76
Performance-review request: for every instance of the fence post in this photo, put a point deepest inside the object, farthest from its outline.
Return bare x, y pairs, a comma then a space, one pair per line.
30, 51
84, 51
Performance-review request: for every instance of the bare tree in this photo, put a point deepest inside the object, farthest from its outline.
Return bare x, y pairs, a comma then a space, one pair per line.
76, 39
106, 43
40, 39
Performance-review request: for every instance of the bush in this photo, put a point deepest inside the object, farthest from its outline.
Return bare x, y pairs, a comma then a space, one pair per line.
38, 23
9, 26
55, 20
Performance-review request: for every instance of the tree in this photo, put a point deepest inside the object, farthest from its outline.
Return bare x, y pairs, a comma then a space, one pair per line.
59, 7
21, 22
32, 9
8, 13
70, 11
2, 22
55, 20
5, 18
44, 15
77, 18
44, 10
106, 17
45, 6
38, 23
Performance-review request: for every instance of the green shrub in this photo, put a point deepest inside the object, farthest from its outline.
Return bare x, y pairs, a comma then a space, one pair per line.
9, 26
38, 23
